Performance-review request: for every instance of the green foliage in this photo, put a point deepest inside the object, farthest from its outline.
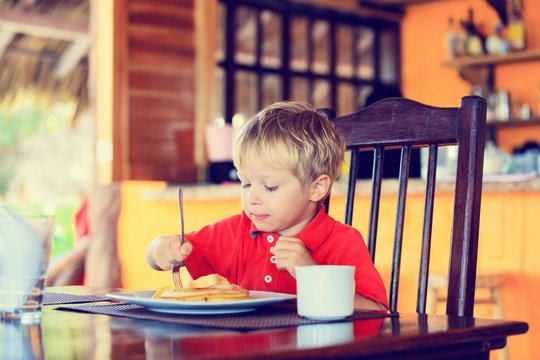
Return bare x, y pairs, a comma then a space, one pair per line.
14, 127
22, 122
17, 124
64, 228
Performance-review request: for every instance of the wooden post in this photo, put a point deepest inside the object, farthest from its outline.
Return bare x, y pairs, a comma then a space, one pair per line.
102, 264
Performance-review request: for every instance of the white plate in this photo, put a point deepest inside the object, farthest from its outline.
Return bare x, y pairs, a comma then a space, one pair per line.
144, 298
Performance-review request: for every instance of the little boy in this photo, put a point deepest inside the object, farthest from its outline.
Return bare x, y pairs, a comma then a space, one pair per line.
287, 157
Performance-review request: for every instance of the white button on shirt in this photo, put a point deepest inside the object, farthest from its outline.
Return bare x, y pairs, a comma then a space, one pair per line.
270, 238
267, 278
273, 259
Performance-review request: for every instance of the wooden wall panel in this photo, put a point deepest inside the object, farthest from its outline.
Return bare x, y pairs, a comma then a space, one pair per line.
157, 132
154, 108
161, 90
146, 151
164, 159
161, 40
176, 13
159, 82
147, 61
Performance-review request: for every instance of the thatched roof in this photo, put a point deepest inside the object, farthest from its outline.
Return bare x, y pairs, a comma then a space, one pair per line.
44, 46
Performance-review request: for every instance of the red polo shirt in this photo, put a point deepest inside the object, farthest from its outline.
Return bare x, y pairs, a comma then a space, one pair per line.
236, 250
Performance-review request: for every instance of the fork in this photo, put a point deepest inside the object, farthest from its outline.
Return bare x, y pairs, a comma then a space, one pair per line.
177, 281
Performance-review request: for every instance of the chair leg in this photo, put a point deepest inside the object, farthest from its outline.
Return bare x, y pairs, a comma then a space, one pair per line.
496, 295
432, 298
498, 312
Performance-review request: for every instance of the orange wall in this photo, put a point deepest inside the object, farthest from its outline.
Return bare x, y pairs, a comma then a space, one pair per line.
508, 243
423, 50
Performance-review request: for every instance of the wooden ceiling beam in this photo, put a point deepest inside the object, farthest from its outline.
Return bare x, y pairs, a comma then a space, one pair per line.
72, 56
7, 33
43, 25
14, 22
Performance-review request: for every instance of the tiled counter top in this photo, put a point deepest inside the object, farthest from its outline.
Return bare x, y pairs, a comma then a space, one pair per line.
232, 190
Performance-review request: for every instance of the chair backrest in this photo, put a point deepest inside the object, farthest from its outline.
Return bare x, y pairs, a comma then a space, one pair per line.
403, 123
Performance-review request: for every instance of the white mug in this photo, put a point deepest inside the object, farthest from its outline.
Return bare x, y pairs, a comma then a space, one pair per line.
325, 292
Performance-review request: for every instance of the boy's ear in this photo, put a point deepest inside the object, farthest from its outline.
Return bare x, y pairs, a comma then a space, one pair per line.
320, 187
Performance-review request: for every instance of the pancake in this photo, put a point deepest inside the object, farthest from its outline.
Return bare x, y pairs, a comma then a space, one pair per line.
212, 293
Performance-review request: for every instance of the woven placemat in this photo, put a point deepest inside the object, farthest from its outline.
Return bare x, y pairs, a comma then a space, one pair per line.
271, 316
52, 298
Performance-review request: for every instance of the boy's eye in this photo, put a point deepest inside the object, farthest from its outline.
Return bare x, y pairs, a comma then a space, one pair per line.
270, 188
245, 185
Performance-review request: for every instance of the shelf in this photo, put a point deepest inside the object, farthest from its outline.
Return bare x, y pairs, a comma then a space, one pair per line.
493, 126
515, 122
518, 56
478, 70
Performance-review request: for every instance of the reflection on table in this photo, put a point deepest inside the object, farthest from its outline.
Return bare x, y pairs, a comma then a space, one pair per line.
70, 335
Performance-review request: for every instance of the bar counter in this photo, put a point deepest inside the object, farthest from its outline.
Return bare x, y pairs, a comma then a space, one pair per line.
509, 229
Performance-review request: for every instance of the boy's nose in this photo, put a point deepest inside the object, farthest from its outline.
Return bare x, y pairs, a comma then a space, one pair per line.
253, 197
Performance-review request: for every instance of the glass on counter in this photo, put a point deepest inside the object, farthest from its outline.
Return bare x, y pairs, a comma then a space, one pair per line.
525, 163
494, 159
446, 161
502, 106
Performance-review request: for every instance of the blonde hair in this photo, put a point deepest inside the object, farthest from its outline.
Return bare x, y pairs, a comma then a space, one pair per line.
293, 136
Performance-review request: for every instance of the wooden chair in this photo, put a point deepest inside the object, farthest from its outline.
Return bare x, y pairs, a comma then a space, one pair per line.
492, 283
403, 123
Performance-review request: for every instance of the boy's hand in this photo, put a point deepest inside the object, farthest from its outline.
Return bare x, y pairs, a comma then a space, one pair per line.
165, 251
291, 252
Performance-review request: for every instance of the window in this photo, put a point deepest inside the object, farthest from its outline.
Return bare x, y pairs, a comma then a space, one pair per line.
272, 51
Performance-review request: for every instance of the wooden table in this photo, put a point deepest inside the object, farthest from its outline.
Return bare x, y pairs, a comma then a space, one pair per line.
69, 335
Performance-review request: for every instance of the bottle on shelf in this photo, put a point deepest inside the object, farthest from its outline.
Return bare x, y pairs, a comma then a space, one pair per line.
450, 39
525, 112
491, 111
460, 41
475, 40
516, 27
502, 108
491, 98
496, 43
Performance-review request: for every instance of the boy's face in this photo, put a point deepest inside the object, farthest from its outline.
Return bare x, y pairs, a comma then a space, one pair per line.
274, 199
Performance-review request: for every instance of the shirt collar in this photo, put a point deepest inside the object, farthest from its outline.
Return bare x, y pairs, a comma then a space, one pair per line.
314, 234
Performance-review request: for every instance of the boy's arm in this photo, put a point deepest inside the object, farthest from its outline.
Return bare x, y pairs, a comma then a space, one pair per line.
291, 252
364, 303
150, 250
165, 251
